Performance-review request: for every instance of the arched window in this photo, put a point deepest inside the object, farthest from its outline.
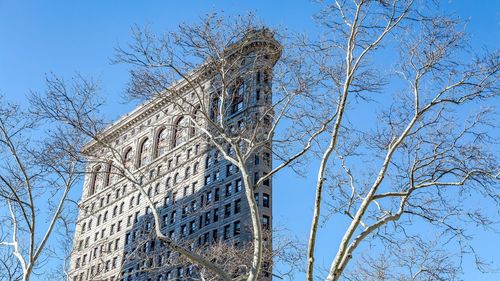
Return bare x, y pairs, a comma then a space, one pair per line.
95, 182
121, 207
144, 152
187, 173
127, 158
161, 142
167, 183
115, 211
180, 134
176, 178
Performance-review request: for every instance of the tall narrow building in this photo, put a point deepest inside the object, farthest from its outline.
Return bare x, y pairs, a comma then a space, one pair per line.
198, 195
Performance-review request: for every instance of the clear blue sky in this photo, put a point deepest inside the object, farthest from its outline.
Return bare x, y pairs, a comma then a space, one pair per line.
65, 37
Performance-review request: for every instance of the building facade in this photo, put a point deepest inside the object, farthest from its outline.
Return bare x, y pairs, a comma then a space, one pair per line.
198, 195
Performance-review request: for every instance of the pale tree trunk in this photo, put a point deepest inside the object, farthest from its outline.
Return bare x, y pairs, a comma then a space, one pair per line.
352, 63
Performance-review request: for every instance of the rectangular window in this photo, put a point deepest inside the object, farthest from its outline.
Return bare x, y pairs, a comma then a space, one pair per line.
237, 102
238, 185
193, 187
183, 230
236, 228
192, 227
173, 217
266, 181
229, 189
266, 222
265, 200
229, 170
209, 197
227, 211
216, 214
207, 218
217, 194
237, 206
226, 231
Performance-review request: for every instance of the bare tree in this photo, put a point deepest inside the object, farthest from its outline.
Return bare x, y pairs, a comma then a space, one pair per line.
36, 176
421, 154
